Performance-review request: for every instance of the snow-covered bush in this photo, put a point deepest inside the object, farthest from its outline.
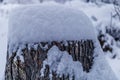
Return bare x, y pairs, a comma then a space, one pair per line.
114, 32
105, 41
109, 39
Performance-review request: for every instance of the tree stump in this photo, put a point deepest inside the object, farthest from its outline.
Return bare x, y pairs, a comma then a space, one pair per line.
27, 65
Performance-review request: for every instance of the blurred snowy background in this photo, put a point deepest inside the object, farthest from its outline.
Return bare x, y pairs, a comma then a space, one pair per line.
105, 15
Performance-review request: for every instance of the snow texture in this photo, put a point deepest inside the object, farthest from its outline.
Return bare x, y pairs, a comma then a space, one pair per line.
100, 69
48, 23
62, 63
3, 41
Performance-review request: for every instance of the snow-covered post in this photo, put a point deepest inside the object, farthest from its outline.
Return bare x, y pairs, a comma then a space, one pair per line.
32, 36
42, 40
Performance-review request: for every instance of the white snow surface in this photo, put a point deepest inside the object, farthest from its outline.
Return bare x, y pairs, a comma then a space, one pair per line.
48, 23
115, 65
3, 44
100, 69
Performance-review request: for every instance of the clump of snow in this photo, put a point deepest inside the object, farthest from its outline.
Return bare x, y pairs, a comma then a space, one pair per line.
48, 23
62, 63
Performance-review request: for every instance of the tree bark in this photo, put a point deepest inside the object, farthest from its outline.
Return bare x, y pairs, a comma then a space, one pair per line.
29, 69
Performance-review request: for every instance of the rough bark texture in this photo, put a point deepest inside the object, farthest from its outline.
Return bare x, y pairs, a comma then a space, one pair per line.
29, 69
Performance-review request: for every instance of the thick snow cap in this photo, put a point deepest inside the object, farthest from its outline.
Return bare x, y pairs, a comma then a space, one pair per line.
48, 23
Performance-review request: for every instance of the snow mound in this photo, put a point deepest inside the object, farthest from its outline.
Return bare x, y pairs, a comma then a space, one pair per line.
62, 63
48, 23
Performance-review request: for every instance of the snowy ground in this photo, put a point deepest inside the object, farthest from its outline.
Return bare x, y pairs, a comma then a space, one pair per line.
115, 65
102, 14
3, 44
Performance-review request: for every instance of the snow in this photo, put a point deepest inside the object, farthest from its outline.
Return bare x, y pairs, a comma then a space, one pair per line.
115, 65
101, 69
3, 45
91, 9
51, 22
99, 14
48, 23
62, 63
